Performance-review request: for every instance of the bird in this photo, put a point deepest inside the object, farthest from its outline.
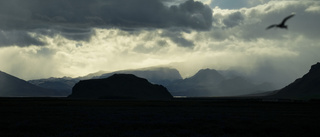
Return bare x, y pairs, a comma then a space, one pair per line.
282, 24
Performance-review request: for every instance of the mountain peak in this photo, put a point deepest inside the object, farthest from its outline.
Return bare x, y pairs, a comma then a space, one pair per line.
313, 74
315, 67
208, 75
207, 70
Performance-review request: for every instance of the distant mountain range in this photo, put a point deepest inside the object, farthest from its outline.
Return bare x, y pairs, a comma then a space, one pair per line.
11, 86
157, 75
205, 83
209, 82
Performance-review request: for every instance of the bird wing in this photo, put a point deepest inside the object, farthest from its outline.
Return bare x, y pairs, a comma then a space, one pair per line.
271, 26
285, 19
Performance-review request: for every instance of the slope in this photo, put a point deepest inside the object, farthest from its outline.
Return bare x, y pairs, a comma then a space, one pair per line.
11, 86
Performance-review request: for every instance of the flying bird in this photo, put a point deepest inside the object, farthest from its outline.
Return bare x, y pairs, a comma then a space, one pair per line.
282, 24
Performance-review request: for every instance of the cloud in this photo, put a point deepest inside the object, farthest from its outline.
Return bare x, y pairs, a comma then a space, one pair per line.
250, 23
237, 39
75, 19
268, 54
237, 4
313, 8
229, 4
30, 62
178, 38
21, 38
233, 19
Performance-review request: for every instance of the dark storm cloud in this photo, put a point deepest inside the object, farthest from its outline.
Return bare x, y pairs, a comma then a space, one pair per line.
233, 19
74, 19
230, 4
236, 4
20, 38
176, 37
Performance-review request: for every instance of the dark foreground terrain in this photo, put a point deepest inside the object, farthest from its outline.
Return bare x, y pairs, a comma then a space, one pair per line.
180, 117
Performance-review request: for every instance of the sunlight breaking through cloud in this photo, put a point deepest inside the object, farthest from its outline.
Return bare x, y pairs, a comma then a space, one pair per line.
235, 39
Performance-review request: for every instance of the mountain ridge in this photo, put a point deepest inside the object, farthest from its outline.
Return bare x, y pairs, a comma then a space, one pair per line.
306, 87
206, 82
210, 83
11, 86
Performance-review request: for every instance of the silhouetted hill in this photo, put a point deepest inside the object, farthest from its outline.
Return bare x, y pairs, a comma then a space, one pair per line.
120, 86
157, 75
209, 82
307, 87
11, 86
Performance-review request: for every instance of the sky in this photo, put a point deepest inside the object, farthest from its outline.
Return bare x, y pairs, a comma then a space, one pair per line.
41, 39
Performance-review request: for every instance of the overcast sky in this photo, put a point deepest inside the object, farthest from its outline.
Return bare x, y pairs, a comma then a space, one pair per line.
40, 39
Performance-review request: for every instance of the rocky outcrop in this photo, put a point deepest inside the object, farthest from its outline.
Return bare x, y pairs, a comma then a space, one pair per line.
120, 86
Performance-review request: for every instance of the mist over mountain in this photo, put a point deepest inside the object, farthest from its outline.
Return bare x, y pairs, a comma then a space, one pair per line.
120, 86
306, 87
209, 82
11, 86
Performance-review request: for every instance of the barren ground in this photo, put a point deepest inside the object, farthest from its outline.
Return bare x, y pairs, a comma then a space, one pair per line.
181, 117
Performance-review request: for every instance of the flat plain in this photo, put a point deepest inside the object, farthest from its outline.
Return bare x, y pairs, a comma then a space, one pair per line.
63, 117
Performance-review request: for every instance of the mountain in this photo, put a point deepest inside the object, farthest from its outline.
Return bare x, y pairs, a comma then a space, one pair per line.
63, 85
209, 82
120, 86
157, 75
11, 86
201, 84
307, 87
92, 75
206, 82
